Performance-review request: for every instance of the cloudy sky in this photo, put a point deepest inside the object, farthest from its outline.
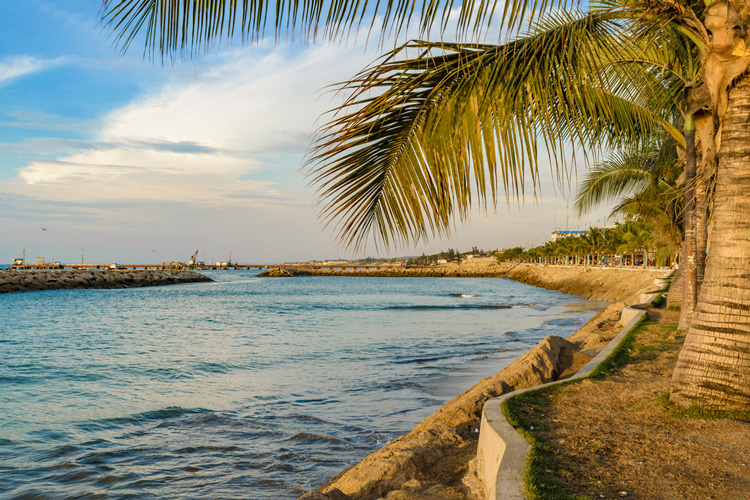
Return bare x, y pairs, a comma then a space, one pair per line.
141, 162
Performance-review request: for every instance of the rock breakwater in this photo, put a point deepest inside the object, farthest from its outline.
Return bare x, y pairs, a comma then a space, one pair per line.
32, 281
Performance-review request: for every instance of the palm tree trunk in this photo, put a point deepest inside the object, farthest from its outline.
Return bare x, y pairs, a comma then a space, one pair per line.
690, 277
713, 369
701, 232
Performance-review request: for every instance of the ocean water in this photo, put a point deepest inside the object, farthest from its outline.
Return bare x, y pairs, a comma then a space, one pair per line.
247, 387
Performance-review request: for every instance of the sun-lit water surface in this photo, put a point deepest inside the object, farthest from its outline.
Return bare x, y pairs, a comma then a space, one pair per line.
247, 387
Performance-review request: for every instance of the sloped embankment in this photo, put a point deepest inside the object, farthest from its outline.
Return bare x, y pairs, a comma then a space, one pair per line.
593, 283
611, 284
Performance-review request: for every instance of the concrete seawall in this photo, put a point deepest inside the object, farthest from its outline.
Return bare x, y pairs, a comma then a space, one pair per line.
32, 281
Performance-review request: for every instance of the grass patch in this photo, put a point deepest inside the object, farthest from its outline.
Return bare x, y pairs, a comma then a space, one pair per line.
526, 412
659, 301
622, 353
698, 412
673, 308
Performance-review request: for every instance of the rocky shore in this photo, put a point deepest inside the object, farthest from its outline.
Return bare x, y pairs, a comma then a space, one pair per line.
32, 281
437, 460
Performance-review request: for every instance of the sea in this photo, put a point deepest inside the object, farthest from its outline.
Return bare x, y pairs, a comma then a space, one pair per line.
246, 387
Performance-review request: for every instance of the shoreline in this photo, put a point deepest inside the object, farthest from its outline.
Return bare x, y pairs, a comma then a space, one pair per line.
71, 279
607, 284
438, 457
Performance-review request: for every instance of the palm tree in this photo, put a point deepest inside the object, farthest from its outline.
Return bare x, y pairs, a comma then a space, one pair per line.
637, 238
612, 241
418, 132
644, 184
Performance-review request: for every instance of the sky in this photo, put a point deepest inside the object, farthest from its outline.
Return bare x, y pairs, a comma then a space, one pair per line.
135, 161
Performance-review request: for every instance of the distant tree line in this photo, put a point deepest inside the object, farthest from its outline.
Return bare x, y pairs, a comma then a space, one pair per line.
450, 255
633, 243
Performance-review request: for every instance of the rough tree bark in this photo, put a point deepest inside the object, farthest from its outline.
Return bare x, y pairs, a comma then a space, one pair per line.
701, 231
688, 261
713, 369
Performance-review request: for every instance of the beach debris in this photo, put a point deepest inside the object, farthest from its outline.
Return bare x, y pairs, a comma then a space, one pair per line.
622, 493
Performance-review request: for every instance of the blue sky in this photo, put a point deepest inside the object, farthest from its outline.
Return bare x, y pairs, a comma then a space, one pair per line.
142, 162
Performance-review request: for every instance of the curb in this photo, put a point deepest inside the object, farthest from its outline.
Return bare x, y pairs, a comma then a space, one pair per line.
502, 451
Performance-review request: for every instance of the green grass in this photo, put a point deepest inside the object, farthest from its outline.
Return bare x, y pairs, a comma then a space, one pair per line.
622, 353
698, 412
526, 412
659, 301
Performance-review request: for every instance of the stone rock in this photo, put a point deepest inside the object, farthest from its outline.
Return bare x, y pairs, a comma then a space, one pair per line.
334, 494
278, 272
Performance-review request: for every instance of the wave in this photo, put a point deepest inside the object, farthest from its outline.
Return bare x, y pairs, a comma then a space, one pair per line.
310, 438
462, 295
137, 418
450, 306
402, 360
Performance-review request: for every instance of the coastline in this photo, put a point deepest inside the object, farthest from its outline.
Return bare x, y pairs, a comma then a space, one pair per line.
608, 284
437, 458
69, 279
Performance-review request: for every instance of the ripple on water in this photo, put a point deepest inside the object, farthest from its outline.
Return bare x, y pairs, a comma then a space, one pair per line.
242, 388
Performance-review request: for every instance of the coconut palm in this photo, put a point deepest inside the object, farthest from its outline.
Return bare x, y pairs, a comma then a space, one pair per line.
423, 134
644, 185
637, 238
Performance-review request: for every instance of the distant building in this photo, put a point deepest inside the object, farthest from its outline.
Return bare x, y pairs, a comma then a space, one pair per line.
39, 261
558, 234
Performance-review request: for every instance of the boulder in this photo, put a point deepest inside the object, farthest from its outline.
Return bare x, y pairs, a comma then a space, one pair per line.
278, 272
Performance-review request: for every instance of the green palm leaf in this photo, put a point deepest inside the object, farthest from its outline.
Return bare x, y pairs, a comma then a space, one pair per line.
433, 125
175, 26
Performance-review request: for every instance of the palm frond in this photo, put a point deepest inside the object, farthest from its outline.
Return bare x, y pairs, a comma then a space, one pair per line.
418, 131
187, 26
628, 172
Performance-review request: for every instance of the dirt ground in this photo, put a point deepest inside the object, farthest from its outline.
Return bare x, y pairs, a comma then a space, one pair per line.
619, 437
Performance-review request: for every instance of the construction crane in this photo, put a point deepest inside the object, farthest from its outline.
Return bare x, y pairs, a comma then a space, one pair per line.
193, 262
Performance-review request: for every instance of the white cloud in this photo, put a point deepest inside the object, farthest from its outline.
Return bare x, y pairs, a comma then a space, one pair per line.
250, 114
15, 67
210, 159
